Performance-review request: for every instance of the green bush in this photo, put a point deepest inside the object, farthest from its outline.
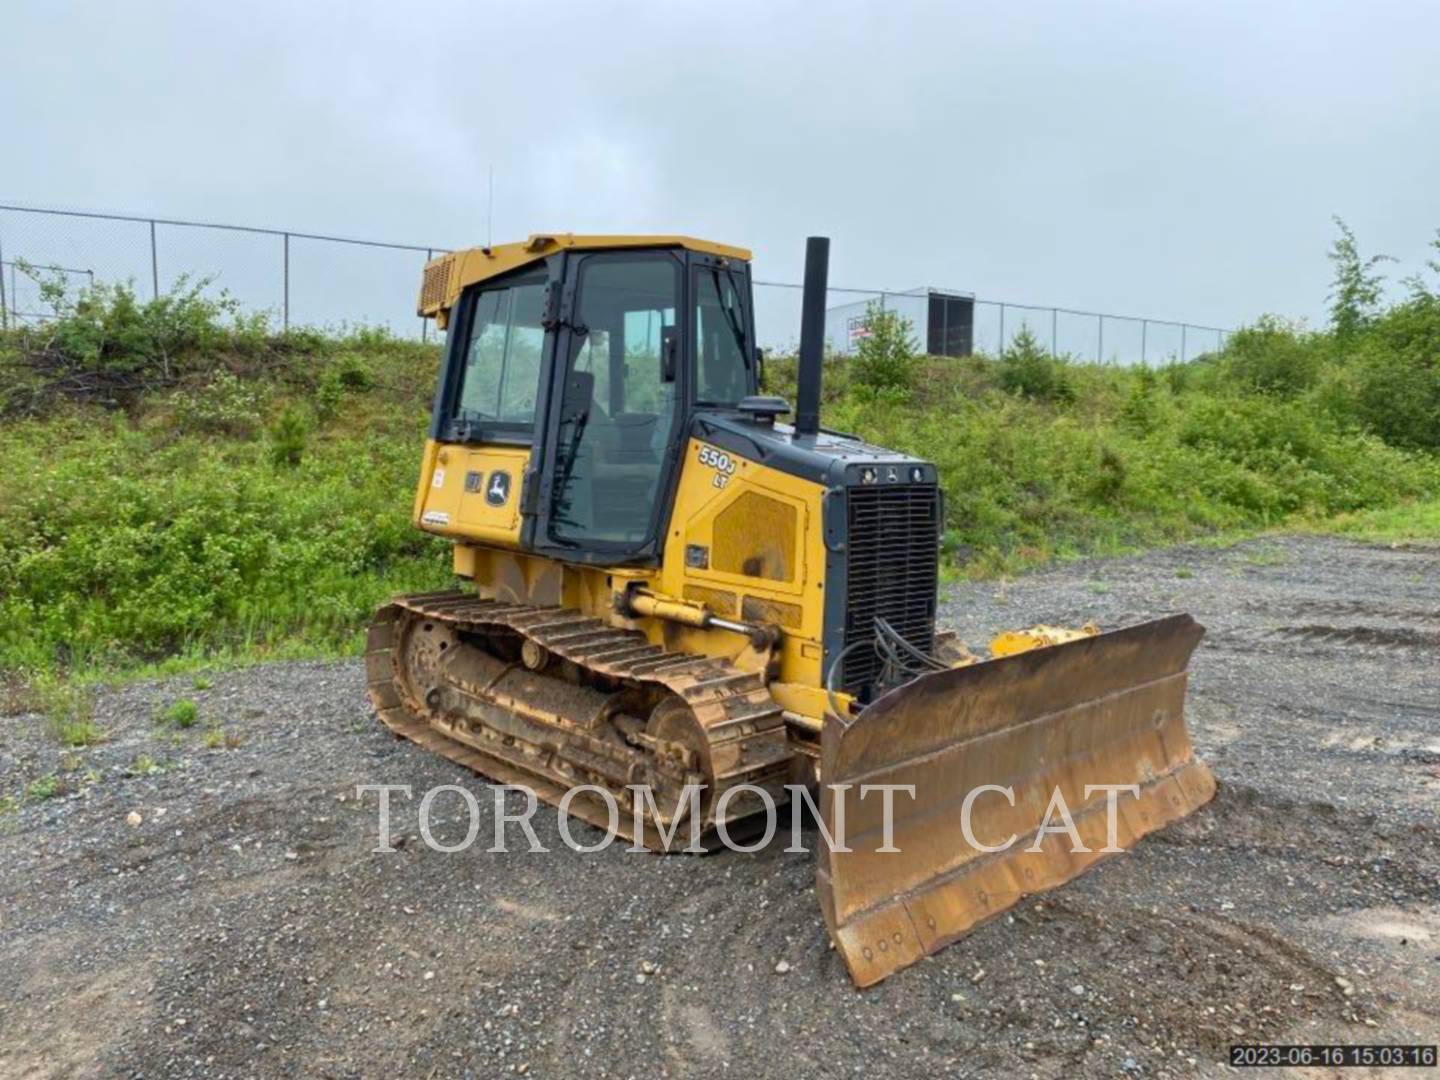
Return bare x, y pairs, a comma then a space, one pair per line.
1273, 357
181, 714
224, 405
1030, 371
887, 356
1397, 375
287, 438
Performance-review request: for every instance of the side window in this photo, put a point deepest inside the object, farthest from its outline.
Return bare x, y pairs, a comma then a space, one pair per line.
720, 347
501, 379
485, 359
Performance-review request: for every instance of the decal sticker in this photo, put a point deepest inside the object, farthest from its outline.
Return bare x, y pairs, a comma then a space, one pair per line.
439, 480
435, 517
474, 481
498, 493
720, 461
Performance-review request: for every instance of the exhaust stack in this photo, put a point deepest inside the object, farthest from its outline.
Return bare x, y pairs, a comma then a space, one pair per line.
812, 336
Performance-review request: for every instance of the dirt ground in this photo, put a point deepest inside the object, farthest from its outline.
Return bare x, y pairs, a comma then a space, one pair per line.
244, 927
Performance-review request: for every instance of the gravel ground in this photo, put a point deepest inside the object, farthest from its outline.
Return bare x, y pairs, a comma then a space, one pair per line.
178, 909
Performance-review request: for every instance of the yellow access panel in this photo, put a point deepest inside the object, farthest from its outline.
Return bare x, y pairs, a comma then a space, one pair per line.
744, 541
473, 493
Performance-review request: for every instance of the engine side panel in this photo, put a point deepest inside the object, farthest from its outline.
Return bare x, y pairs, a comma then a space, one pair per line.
746, 540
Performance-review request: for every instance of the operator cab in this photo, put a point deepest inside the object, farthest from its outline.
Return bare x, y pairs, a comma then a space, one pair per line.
598, 360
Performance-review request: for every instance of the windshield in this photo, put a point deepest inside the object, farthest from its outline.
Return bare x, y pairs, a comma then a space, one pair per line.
722, 354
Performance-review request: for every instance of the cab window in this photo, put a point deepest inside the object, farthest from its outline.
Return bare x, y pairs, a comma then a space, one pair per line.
500, 378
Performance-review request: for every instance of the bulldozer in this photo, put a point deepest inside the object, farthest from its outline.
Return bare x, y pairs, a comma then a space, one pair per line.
669, 599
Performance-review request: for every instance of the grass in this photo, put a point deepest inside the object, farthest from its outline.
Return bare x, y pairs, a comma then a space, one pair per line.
44, 787
68, 708
181, 714
1407, 523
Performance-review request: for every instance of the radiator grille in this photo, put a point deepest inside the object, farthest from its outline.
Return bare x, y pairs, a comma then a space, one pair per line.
892, 570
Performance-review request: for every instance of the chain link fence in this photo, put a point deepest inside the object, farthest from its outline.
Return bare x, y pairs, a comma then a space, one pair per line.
299, 278
986, 326
309, 279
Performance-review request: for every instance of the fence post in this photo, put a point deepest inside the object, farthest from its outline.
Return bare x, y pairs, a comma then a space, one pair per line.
1183, 328
1100, 343
1001, 347
154, 263
1054, 333
4, 312
286, 275
1144, 333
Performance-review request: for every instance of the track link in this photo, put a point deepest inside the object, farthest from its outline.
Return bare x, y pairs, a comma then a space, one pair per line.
743, 729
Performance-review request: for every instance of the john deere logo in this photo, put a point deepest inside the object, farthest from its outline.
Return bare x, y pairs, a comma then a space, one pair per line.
499, 490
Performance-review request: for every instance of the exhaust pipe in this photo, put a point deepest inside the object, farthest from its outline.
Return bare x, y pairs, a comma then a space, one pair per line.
812, 336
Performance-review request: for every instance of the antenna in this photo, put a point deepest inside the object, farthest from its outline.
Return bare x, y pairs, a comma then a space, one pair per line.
490, 212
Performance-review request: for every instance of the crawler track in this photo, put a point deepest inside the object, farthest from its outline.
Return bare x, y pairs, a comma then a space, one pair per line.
440, 668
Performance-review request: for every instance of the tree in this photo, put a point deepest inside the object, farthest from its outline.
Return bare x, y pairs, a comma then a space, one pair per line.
888, 355
1358, 286
1028, 370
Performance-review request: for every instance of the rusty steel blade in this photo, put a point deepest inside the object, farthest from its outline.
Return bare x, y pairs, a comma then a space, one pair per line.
1104, 710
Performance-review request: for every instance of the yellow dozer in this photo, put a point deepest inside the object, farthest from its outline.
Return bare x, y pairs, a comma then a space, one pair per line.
671, 602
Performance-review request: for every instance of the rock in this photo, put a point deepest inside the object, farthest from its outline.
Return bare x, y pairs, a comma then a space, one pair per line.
782, 967
428, 976
1346, 986
133, 819
1078, 989
648, 967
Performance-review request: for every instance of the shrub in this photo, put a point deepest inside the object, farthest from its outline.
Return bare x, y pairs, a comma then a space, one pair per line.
1273, 357
887, 356
287, 438
225, 405
1397, 396
1030, 371
1142, 410
45, 787
69, 711
181, 713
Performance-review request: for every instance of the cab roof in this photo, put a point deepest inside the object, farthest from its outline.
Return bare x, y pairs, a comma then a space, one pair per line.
449, 275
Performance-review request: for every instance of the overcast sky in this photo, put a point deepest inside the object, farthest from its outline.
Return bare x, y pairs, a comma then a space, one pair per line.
1173, 160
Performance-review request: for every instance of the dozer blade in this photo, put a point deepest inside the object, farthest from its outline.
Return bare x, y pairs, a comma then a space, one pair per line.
1104, 710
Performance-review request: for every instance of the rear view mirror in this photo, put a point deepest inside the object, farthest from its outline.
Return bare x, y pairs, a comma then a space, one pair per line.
669, 350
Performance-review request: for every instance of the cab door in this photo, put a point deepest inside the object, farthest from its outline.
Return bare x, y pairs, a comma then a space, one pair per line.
618, 405
486, 409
